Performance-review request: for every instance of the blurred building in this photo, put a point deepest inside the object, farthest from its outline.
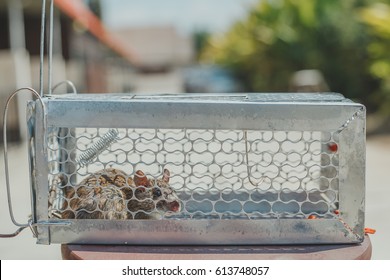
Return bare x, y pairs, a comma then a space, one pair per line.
83, 52
161, 52
158, 48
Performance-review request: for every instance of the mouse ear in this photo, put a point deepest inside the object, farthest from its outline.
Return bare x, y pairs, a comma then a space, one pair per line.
166, 176
140, 179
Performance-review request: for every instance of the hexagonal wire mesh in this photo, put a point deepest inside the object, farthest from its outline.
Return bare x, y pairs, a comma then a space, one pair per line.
213, 174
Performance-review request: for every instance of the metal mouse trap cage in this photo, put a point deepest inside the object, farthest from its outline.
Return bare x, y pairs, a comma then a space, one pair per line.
191, 169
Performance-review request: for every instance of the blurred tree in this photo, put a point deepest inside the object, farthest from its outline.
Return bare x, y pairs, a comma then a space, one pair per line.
377, 17
200, 39
279, 37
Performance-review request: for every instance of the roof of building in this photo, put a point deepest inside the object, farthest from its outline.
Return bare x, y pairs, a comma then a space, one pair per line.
79, 12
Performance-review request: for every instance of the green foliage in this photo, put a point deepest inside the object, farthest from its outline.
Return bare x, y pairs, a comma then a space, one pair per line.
377, 18
348, 41
200, 38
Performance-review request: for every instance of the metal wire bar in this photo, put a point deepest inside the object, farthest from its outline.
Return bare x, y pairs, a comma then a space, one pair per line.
19, 230
33, 226
42, 48
36, 94
70, 83
247, 162
51, 39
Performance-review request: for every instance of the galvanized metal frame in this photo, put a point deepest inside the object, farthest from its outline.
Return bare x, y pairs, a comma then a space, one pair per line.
269, 112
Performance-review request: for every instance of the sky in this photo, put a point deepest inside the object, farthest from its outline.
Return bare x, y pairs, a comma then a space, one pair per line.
186, 15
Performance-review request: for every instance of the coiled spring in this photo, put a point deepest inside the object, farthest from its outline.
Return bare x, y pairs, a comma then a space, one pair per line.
97, 148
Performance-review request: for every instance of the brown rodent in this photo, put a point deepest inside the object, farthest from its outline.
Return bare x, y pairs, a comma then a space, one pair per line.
112, 194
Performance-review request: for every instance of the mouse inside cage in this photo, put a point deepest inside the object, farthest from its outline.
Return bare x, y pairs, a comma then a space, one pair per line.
192, 174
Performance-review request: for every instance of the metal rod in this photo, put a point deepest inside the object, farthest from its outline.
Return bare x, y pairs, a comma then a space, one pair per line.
261, 180
6, 147
51, 39
42, 48
33, 226
19, 230
71, 84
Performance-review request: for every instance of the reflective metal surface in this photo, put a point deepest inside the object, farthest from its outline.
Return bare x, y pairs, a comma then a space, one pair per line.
247, 168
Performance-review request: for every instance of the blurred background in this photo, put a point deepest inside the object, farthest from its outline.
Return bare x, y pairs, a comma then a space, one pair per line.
172, 46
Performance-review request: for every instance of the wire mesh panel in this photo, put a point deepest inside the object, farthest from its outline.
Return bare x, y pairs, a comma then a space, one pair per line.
191, 182
212, 174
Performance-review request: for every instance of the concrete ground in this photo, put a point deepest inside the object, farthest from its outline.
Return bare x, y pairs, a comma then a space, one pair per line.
378, 194
24, 247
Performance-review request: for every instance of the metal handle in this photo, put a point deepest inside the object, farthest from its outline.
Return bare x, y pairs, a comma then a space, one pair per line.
65, 82
9, 235
39, 96
36, 94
